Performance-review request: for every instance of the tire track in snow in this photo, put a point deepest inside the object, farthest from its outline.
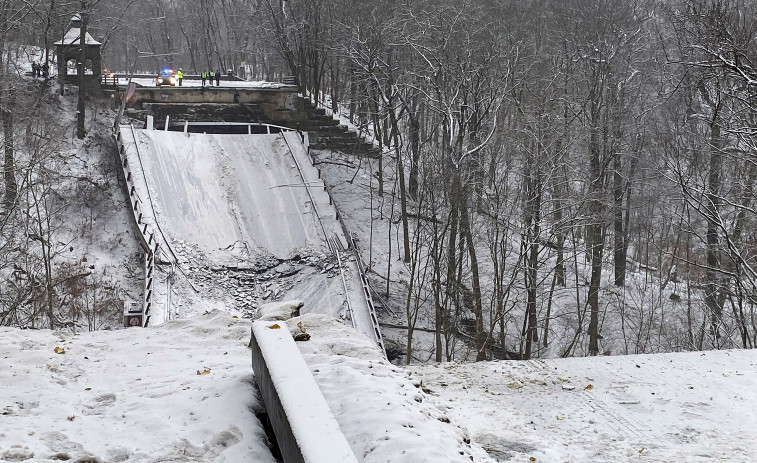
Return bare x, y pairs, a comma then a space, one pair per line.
610, 417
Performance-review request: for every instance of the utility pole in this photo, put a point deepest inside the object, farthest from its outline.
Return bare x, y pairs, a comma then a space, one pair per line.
82, 59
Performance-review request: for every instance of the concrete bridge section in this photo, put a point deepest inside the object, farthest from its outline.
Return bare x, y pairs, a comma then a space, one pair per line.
218, 190
305, 427
249, 101
243, 102
236, 198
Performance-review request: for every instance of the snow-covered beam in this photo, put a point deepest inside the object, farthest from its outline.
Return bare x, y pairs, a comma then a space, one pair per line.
305, 427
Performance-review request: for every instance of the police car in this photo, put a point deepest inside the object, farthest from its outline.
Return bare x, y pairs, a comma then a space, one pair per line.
166, 77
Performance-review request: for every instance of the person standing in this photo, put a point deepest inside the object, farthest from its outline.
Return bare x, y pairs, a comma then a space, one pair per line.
180, 76
218, 78
212, 76
203, 76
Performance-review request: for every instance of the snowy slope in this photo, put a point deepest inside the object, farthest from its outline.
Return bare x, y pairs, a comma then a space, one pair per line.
683, 407
182, 391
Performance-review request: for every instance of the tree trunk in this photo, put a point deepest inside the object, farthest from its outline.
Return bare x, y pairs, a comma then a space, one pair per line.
481, 336
336, 93
403, 190
438, 320
452, 287
713, 273
415, 146
531, 245
9, 166
557, 212
619, 235
377, 134
594, 236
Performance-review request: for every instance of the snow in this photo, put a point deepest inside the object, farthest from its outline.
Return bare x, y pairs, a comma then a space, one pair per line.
382, 411
72, 38
688, 407
180, 391
140, 388
228, 192
238, 198
136, 395
692, 407
357, 298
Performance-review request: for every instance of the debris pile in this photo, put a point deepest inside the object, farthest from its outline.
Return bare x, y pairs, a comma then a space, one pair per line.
246, 285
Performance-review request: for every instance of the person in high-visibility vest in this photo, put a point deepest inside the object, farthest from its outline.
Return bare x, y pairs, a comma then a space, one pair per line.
180, 76
212, 76
203, 76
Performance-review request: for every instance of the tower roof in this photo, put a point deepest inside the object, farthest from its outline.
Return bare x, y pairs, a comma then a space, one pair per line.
72, 38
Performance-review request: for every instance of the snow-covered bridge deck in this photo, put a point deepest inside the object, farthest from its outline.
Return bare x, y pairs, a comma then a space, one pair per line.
235, 198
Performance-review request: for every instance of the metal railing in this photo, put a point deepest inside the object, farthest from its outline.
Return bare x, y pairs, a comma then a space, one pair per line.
109, 80
147, 238
366, 290
249, 125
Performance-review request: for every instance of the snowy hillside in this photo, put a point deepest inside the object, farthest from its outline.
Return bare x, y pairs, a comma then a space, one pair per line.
184, 391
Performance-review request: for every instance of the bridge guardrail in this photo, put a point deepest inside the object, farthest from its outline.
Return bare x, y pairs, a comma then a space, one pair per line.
366, 291
147, 238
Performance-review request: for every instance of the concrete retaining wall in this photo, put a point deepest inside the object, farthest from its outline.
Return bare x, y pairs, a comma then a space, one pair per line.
306, 429
278, 105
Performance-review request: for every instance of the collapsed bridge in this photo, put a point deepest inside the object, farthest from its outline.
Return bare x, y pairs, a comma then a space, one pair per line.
233, 183
236, 197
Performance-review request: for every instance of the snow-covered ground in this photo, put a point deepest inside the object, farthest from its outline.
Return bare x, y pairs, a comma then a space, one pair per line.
183, 391
382, 411
683, 407
177, 392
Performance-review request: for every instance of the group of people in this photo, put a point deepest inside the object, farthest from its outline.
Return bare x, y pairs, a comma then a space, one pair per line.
40, 70
211, 75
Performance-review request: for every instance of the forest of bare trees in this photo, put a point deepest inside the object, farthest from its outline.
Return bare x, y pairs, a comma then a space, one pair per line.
550, 150
574, 177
